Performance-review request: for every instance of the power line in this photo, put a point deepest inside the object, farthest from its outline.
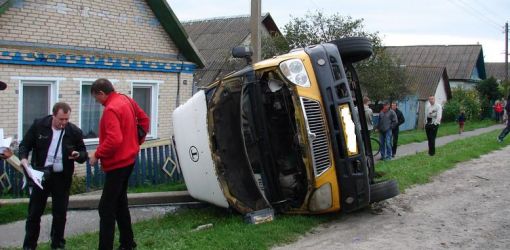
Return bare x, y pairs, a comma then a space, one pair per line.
474, 14
477, 10
489, 10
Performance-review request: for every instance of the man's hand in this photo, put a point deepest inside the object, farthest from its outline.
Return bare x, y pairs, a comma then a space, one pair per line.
6, 153
92, 158
74, 155
24, 162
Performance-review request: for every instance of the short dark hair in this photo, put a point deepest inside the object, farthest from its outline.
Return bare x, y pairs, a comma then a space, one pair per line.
3, 85
102, 84
61, 106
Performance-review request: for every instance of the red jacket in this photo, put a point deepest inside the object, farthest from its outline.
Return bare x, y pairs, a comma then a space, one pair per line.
118, 140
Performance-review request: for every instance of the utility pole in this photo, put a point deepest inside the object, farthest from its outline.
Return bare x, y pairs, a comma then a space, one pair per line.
255, 29
506, 52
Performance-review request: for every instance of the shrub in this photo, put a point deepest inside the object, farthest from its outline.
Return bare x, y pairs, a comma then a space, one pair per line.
462, 99
78, 186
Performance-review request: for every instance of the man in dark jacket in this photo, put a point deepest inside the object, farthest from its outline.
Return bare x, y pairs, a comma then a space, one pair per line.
55, 144
387, 121
401, 120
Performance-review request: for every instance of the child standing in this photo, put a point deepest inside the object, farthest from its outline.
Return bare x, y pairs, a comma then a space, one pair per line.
461, 119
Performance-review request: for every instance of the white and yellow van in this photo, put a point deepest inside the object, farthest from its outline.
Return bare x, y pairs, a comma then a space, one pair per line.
287, 133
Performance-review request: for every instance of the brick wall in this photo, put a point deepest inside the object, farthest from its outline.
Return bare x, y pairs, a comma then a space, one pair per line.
121, 25
69, 91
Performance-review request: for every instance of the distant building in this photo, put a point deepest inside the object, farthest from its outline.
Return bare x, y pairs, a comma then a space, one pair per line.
426, 81
52, 51
464, 63
215, 39
496, 70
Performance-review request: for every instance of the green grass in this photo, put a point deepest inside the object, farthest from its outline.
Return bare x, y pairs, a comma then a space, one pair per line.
165, 187
228, 231
419, 168
14, 212
175, 231
447, 128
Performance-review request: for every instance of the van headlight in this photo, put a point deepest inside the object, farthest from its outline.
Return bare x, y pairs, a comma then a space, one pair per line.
294, 70
349, 129
321, 199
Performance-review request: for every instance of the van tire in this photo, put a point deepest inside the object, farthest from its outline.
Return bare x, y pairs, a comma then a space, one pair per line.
383, 190
353, 49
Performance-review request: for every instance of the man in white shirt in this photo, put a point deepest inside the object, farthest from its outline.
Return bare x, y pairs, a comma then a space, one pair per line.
433, 113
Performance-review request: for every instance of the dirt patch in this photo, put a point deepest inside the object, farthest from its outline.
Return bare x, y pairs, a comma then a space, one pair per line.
467, 207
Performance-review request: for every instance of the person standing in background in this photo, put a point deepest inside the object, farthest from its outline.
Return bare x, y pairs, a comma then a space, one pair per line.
117, 151
4, 152
395, 131
368, 114
461, 120
387, 121
433, 114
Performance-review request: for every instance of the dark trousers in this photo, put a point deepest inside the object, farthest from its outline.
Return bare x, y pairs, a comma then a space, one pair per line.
60, 199
113, 206
394, 133
431, 131
505, 131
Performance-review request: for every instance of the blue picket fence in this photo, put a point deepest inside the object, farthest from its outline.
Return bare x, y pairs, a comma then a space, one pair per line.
148, 170
148, 167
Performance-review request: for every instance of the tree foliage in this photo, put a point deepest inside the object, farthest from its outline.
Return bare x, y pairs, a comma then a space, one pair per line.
316, 27
467, 100
273, 46
380, 77
489, 92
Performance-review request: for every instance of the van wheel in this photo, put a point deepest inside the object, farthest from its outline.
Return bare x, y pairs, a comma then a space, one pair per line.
353, 49
383, 190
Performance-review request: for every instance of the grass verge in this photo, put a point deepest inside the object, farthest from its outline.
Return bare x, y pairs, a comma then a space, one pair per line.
419, 168
447, 128
165, 187
175, 231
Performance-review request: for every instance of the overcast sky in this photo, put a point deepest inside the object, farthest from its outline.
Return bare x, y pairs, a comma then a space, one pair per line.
399, 22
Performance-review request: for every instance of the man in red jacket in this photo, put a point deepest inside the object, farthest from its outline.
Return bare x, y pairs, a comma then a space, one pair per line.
117, 150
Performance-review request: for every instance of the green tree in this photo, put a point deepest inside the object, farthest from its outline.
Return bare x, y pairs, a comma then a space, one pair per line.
316, 27
380, 76
382, 79
467, 100
489, 92
273, 46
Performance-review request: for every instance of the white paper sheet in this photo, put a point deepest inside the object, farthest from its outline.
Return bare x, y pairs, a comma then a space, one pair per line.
35, 175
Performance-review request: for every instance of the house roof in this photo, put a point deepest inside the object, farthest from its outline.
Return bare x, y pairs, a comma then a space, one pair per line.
215, 39
496, 70
460, 60
424, 80
170, 24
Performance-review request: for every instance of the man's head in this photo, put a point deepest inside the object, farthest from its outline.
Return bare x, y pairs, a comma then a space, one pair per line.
61, 113
3, 85
386, 106
432, 100
394, 106
366, 100
100, 89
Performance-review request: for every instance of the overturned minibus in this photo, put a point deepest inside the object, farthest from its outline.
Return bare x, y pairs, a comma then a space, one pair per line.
287, 134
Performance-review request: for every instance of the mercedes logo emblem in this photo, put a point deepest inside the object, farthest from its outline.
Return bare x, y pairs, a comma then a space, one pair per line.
193, 153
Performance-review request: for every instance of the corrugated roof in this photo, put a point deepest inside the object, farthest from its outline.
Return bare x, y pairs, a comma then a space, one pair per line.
459, 60
425, 79
215, 39
496, 70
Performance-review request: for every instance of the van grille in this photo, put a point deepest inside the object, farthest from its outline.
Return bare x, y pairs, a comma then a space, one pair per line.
317, 135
